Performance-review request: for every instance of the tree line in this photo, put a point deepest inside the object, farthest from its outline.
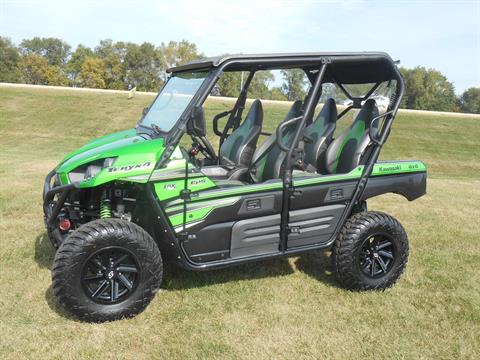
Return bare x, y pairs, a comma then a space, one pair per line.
122, 65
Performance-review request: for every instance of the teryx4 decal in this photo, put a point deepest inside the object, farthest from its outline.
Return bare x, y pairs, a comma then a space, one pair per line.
126, 168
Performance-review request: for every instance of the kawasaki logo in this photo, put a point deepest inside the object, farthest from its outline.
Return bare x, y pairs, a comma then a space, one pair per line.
389, 168
129, 167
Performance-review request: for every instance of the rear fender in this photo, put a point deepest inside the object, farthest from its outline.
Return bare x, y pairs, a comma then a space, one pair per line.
411, 186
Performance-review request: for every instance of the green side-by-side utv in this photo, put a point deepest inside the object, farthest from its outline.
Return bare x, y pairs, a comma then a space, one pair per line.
121, 205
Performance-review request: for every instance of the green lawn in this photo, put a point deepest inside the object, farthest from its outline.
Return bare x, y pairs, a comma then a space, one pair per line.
286, 308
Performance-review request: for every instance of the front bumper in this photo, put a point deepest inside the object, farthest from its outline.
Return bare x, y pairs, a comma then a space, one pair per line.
52, 206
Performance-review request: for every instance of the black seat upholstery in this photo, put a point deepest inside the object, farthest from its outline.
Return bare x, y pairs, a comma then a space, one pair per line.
319, 135
347, 150
239, 147
268, 159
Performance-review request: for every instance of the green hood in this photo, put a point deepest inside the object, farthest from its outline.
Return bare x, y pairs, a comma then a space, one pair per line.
134, 155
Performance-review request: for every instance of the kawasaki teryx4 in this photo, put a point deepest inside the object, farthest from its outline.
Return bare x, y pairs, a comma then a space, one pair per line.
124, 203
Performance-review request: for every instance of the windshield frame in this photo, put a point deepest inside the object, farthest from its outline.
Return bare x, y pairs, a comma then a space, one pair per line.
156, 131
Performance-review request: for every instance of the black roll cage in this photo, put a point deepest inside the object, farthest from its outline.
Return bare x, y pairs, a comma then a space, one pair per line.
289, 190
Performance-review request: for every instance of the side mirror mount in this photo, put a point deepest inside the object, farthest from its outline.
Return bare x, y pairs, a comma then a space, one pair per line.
145, 110
196, 122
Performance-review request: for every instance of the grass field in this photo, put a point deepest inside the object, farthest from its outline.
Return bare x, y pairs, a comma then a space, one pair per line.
282, 309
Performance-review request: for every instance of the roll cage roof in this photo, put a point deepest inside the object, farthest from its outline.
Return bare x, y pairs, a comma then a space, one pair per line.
343, 67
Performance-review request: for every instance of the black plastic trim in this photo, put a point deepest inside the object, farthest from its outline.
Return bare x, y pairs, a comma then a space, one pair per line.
411, 186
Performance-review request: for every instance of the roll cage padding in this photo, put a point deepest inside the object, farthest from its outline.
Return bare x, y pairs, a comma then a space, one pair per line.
239, 147
319, 134
345, 152
268, 159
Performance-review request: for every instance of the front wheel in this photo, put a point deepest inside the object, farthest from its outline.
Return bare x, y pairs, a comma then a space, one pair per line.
106, 270
371, 251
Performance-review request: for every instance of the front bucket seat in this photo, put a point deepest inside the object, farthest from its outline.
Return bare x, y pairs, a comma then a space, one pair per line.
348, 150
239, 147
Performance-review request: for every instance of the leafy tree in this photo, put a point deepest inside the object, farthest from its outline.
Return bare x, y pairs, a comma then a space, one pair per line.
55, 76
294, 84
92, 73
177, 53
258, 88
230, 83
427, 90
9, 61
470, 100
113, 56
34, 69
54, 50
143, 67
276, 93
74, 65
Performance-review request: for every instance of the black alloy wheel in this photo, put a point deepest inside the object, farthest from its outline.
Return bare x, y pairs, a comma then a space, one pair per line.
377, 256
110, 275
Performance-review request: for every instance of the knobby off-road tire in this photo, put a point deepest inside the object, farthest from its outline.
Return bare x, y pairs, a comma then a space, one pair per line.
87, 261
367, 239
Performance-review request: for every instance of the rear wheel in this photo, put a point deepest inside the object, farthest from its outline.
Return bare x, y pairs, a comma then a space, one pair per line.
106, 270
371, 251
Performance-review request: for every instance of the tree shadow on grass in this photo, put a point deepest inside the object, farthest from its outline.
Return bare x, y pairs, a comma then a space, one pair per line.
176, 278
318, 265
44, 251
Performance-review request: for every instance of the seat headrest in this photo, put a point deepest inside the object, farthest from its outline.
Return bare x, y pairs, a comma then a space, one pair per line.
295, 111
255, 114
328, 114
367, 112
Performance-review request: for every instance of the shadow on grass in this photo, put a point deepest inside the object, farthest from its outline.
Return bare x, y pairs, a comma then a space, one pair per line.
318, 265
44, 251
55, 306
176, 278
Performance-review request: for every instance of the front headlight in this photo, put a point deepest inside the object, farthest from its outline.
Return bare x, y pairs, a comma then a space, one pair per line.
90, 170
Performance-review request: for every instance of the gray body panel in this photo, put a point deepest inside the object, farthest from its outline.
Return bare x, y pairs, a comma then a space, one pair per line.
255, 236
312, 226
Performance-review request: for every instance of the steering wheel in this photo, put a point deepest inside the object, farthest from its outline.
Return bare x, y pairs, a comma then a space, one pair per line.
205, 147
207, 150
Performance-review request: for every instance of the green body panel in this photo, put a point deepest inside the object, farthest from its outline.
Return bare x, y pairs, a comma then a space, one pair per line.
134, 156
107, 139
380, 169
392, 168
192, 216
201, 205
196, 212
169, 189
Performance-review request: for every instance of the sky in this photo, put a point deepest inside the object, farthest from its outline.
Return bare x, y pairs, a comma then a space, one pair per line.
444, 35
